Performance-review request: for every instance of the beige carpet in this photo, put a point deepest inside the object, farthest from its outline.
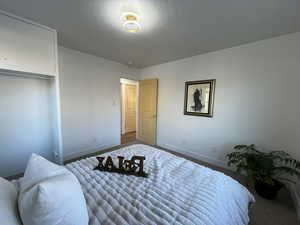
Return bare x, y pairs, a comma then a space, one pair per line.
264, 212
278, 212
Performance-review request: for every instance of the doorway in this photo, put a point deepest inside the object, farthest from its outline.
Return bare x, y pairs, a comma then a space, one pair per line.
129, 92
138, 110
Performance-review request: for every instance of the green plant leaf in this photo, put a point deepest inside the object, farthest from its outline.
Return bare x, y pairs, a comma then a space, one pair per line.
264, 166
286, 170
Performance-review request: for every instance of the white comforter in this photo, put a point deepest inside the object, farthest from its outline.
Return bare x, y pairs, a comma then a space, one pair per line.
177, 191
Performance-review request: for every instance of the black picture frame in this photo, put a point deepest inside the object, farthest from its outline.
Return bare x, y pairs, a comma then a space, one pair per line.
202, 94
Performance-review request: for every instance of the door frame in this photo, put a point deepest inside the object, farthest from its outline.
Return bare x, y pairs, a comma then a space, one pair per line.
122, 114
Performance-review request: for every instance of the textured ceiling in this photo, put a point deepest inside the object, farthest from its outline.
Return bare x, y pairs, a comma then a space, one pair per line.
171, 29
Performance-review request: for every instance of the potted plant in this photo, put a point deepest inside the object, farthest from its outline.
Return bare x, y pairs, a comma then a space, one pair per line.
266, 170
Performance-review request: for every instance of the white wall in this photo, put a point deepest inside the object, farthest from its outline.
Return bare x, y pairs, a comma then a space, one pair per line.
25, 122
91, 103
256, 101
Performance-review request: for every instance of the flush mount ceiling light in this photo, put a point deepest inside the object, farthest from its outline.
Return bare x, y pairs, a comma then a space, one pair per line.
131, 22
115, 13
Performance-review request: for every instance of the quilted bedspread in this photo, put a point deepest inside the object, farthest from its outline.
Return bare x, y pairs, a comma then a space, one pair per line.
177, 191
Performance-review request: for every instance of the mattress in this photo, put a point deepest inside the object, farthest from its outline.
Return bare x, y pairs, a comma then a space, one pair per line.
177, 191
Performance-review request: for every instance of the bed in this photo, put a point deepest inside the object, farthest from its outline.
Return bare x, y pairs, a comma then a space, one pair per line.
177, 191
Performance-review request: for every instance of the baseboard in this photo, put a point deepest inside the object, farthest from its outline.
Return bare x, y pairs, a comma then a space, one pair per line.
295, 196
198, 156
87, 151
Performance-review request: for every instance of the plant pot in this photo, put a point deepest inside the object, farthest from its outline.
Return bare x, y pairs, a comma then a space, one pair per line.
266, 190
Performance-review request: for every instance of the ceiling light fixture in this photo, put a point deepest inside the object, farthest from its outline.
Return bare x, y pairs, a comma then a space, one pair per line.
131, 22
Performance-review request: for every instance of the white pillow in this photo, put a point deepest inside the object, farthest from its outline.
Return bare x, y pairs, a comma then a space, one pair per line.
8, 203
50, 195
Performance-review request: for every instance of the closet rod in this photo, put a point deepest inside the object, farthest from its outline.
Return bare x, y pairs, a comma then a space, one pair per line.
25, 75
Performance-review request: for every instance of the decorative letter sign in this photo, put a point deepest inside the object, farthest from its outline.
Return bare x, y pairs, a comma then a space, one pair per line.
134, 166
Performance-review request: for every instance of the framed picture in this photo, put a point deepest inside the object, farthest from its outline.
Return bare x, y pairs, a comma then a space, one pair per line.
199, 98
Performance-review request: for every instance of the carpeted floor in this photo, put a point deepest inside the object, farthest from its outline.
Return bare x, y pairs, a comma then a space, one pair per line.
278, 212
264, 212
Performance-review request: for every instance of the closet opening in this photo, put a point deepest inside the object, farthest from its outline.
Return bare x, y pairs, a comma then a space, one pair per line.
29, 121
